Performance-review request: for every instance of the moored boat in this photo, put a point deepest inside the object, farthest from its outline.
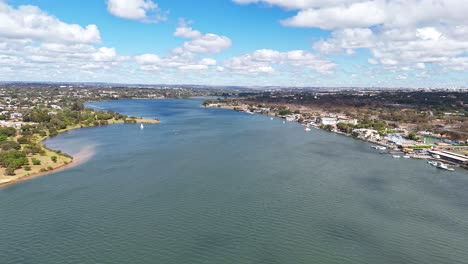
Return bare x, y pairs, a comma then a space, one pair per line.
443, 166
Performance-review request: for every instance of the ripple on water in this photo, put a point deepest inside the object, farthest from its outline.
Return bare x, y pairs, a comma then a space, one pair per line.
230, 188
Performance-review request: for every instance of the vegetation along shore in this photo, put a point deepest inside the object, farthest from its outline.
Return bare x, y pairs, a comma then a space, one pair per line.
424, 125
28, 120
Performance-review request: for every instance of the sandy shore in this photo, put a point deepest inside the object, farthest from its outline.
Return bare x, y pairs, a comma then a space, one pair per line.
85, 154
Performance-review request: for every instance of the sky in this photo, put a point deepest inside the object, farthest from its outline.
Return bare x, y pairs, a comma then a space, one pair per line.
292, 43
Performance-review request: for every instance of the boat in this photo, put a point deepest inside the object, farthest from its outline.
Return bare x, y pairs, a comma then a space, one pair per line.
443, 166
435, 156
406, 156
142, 126
307, 129
379, 147
433, 163
396, 156
271, 118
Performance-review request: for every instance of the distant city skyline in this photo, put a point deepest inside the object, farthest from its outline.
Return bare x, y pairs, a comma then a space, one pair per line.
299, 43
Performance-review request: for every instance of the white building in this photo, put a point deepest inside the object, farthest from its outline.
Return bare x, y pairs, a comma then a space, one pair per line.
332, 121
366, 133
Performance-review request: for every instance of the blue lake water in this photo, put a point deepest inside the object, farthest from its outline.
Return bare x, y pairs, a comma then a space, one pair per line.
217, 186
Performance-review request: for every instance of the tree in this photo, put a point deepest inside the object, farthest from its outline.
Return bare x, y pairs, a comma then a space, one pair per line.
7, 131
10, 145
53, 132
10, 171
345, 127
284, 112
23, 140
54, 158
13, 159
77, 106
412, 136
35, 161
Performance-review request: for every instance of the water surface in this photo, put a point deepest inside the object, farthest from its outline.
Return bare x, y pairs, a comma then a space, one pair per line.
217, 186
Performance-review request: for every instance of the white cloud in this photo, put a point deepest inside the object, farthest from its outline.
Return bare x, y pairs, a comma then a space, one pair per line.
201, 43
185, 31
29, 22
398, 34
177, 60
363, 14
265, 61
37, 45
142, 10
148, 59
208, 44
347, 39
296, 4
187, 56
337, 14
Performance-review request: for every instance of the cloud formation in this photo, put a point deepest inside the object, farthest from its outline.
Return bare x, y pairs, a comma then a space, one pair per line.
34, 43
201, 43
187, 56
29, 22
399, 34
141, 10
267, 61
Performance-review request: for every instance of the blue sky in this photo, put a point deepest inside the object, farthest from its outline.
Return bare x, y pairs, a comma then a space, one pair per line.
237, 42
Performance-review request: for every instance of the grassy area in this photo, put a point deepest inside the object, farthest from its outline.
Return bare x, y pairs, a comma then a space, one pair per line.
420, 147
46, 164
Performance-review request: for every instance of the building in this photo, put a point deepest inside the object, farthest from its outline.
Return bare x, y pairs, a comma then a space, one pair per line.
332, 121
366, 133
450, 156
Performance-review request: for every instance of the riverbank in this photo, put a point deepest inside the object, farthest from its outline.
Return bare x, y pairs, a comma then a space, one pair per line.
47, 164
392, 144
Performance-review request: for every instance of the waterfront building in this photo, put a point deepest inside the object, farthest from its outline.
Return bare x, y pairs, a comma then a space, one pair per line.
450, 156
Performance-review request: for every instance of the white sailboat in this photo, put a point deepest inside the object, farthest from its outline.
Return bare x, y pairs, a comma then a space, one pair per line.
142, 126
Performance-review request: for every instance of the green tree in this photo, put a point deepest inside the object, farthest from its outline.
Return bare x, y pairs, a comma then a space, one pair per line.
7, 131
412, 136
23, 140
284, 112
10, 171
10, 145
54, 158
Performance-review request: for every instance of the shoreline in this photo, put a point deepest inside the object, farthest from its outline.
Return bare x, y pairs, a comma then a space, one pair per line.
391, 149
79, 158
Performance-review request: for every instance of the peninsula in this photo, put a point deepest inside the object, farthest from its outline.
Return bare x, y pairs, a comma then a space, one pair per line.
29, 116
